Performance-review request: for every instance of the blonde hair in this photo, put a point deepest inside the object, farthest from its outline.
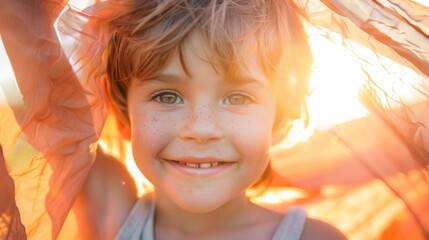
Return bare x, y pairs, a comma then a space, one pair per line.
146, 33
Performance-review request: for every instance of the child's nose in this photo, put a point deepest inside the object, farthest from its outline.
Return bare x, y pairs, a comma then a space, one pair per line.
201, 124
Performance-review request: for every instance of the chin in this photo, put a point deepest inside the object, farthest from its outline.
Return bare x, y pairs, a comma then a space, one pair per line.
200, 204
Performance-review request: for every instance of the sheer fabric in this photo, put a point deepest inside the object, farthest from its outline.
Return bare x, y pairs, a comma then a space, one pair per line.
52, 118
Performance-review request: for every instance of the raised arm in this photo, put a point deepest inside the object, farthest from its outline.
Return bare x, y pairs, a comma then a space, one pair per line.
61, 116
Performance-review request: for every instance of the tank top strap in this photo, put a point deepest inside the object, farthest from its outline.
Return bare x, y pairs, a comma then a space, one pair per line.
292, 224
139, 223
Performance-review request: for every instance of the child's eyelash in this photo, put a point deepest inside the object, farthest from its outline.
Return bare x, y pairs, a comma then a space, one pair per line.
233, 98
244, 96
174, 98
160, 92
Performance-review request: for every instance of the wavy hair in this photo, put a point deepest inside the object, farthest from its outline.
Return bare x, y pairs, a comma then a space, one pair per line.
145, 34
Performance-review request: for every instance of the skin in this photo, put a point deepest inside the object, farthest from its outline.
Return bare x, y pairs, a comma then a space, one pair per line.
216, 206
203, 118
107, 197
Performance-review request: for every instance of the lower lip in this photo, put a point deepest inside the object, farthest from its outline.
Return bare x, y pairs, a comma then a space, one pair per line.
199, 172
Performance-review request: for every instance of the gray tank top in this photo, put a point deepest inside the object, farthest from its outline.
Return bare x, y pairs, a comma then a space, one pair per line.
140, 223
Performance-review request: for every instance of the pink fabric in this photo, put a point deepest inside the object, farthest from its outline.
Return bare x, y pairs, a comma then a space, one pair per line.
63, 115
10, 219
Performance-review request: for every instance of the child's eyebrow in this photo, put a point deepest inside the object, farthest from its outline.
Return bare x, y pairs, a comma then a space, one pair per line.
247, 80
167, 78
181, 79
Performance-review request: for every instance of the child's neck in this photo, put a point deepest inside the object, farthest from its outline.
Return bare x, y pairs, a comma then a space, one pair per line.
168, 212
232, 215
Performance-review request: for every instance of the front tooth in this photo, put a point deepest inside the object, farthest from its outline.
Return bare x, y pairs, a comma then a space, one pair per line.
215, 164
205, 165
194, 165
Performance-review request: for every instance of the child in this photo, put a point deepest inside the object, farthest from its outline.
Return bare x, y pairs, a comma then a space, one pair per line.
202, 89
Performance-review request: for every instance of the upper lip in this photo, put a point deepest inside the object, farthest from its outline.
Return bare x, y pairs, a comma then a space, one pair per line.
197, 160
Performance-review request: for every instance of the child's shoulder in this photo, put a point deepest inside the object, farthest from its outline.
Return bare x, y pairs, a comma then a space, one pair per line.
107, 196
317, 229
110, 178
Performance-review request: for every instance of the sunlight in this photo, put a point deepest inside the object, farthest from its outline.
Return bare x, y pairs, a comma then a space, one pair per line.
422, 2
81, 4
142, 184
340, 75
9, 91
334, 85
279, 195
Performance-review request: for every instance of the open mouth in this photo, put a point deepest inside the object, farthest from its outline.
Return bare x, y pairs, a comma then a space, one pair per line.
200, 165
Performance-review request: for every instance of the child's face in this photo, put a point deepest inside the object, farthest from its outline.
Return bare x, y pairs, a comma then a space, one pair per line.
201, 140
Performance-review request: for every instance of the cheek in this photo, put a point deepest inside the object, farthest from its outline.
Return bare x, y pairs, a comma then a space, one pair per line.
253, 141
149, 133
258, 125
252, 135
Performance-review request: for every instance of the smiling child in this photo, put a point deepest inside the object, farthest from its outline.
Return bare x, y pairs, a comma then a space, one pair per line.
203, 89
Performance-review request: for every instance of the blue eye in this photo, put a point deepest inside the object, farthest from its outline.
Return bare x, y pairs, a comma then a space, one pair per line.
237, 99
168, 98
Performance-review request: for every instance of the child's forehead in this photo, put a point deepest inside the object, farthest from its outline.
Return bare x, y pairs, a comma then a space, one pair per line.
198, 54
